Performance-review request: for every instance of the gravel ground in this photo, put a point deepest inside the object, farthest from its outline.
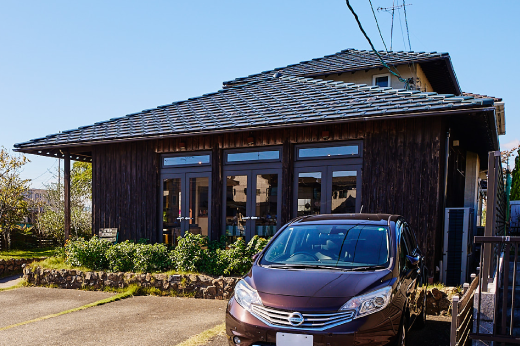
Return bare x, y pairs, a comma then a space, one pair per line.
435, 333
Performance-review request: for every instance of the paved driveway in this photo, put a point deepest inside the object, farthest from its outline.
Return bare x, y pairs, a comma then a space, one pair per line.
133, 321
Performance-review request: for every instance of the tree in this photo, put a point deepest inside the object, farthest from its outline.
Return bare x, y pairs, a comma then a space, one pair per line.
51, 222
13, 191
515, 184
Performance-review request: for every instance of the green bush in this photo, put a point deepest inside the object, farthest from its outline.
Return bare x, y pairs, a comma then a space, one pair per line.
151, 258
90, 254
194, 253
121, 256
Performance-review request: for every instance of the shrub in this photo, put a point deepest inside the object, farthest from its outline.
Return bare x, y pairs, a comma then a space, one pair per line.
121, 256
239, 257
90, 254
151, 258
189, 255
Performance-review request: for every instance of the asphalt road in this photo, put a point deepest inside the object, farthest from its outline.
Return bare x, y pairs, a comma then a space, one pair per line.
133, 321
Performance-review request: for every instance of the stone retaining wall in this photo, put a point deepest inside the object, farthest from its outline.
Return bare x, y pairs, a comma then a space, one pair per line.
438, 301
198, 286
13, 266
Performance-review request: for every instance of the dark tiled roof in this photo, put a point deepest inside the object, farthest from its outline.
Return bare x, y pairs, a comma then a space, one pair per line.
344, 61
272, 102
479, 96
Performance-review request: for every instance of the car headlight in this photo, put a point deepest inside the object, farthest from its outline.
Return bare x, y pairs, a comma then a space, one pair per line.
246, 296
370, 302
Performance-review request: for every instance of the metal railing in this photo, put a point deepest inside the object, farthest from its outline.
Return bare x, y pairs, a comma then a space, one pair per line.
462, 314
503, 320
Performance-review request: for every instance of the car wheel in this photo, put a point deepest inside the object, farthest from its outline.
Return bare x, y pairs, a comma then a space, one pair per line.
401, 336
421, 319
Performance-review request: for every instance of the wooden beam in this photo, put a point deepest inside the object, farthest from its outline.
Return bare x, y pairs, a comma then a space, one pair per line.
66, 192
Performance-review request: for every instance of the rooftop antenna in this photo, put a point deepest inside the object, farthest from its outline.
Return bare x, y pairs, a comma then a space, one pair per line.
392, 11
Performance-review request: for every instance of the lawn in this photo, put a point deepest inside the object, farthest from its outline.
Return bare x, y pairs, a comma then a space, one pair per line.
34, 253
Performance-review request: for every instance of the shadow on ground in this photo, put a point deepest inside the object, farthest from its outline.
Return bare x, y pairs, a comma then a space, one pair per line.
435, 333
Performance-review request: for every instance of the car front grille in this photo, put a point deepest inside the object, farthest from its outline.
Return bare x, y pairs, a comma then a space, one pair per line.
281, 318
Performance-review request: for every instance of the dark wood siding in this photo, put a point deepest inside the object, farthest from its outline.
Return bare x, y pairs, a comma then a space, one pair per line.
401, 174
125, 187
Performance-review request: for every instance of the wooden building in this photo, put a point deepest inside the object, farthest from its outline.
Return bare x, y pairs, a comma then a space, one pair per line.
331, 135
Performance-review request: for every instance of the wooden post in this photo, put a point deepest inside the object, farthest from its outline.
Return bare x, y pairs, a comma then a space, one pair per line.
490, 220
454, 317
465, 288
66, 192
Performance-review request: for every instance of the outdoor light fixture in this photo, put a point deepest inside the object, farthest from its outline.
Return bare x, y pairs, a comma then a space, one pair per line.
182, 145
250, 141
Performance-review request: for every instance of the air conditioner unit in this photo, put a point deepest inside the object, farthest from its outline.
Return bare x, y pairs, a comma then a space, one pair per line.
458, 231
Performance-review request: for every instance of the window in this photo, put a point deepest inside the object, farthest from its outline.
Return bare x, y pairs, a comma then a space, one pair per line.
328, 151
192, 160
267, 155
381, 80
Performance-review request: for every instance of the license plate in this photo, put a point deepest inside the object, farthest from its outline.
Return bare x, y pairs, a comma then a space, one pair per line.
286, 339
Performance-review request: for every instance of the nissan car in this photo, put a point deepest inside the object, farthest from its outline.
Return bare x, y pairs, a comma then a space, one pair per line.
327, 280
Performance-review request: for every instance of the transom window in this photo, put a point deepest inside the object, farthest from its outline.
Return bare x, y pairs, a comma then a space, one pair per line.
253, 156
333, 151
191, 160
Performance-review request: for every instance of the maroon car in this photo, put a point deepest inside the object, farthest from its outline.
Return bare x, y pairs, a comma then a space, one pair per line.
352, 279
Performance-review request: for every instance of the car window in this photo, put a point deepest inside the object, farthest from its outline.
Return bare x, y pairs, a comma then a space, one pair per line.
410, 240
341, 246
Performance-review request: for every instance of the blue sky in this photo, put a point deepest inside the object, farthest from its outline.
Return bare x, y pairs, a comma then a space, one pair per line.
65, 64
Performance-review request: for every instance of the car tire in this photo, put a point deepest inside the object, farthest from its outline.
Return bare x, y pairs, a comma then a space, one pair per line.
420, 321
401, 336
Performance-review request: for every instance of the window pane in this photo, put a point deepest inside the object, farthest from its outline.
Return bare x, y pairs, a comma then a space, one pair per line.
309, 193
236, 200
171, 209
186, 160
198, 208
344, 192
382, 81
254, 156
266, 204
328, 151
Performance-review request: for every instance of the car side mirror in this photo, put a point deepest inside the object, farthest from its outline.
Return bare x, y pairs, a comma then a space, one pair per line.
414, 260
255, 256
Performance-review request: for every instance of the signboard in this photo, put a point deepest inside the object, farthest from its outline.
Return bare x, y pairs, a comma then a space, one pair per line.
109, 234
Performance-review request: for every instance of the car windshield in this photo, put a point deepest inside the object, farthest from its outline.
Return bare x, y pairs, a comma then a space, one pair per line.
330, 246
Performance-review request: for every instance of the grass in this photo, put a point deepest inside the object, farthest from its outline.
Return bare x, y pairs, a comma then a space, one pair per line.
34, 253
127, 293
18, 285
56, 263
204, 337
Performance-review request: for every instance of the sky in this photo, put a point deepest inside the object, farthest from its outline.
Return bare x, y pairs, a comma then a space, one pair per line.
65, 64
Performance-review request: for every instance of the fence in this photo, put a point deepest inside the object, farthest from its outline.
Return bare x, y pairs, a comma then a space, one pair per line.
462, 315
496, 215
504, 320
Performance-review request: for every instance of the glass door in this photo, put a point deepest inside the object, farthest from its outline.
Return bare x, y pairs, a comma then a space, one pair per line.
252, 203
327, 190
185, 205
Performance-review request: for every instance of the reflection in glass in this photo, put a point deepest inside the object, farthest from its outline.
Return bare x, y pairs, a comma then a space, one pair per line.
266, 204
236, 200
198, 207
186, 160
254, 156
309, 193
344, 192
171, 210
328, 151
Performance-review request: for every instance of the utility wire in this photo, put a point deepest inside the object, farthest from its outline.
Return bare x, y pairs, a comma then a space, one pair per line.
401, 79
406, 21
392, 28
380, 34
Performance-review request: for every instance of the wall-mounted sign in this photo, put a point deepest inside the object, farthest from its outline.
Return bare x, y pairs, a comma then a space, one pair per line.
109, 234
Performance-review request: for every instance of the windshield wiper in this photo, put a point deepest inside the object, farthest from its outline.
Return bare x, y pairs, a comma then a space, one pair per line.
360, 269
302, 266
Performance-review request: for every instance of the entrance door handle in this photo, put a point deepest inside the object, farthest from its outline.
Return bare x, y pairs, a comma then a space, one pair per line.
180, 218
246, 218
254, 217
188, 218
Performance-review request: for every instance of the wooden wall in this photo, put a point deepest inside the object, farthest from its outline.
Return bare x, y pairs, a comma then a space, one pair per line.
401, 174
125, 190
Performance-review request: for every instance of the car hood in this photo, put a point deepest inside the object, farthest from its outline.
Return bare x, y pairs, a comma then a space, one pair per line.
314, 283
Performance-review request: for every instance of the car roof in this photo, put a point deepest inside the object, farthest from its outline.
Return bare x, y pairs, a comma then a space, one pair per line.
345, 219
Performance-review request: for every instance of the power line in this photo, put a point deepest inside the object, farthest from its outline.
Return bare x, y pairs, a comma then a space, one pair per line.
380, 34
406, 21
401, 79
